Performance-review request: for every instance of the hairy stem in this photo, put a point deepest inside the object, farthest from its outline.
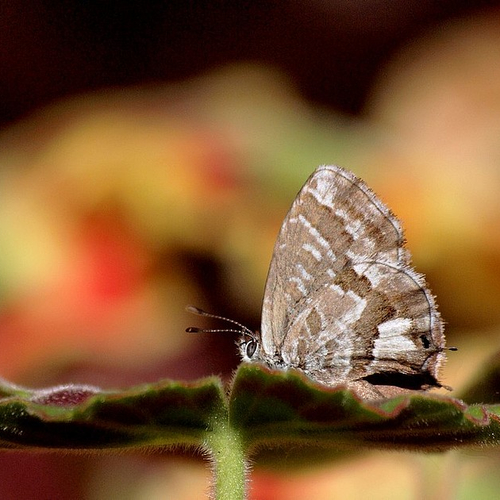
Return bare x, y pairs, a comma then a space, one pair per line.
228, 455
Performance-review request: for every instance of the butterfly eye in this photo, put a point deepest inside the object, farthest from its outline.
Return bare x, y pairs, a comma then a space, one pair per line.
251, 348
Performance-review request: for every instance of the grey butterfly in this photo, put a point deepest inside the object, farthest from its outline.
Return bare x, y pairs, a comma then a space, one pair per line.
342, 303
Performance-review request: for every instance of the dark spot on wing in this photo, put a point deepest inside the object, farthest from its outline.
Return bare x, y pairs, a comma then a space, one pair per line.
416, 381
425, 341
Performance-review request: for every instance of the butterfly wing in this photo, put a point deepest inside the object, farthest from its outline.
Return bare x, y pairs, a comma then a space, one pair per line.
341, 301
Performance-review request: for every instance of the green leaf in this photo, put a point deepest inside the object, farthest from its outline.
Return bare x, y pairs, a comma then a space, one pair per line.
83, 417
264, 408
272, 407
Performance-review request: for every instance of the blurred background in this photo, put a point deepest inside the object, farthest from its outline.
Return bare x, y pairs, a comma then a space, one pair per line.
148, 154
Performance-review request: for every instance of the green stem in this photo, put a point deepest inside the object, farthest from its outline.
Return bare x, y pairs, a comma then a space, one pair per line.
228, 454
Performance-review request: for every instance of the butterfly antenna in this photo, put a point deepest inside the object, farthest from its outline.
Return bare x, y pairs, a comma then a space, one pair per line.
200, 312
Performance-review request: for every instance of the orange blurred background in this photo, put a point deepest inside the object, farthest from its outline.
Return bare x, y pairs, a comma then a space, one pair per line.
122, 204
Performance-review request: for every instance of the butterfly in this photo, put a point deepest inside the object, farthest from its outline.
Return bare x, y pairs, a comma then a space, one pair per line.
342, 303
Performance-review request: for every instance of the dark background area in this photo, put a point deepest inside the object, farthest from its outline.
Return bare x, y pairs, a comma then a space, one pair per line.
331, 49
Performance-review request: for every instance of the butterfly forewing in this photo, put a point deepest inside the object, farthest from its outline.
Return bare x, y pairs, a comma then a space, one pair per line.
341, 301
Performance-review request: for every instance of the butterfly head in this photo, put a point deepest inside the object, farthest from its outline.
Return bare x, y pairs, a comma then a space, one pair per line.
249, 345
